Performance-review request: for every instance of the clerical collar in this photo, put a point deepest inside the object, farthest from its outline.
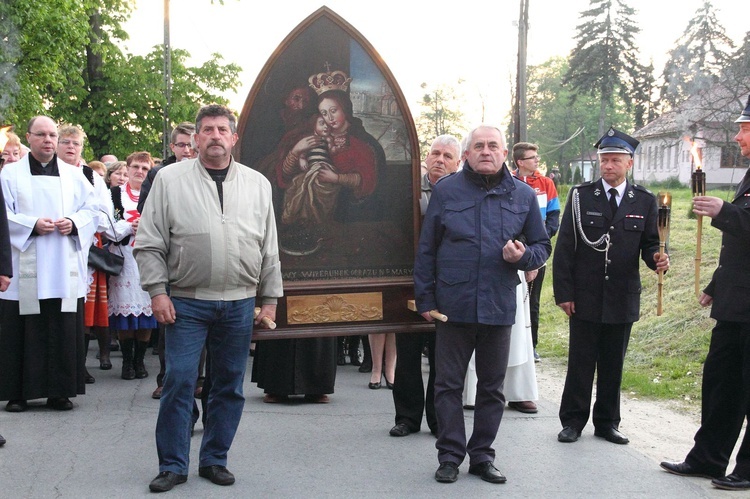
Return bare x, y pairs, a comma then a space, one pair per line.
37, 168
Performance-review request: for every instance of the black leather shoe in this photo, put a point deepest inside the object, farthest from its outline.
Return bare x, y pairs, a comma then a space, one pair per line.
60, 403
684, 469
366, 367
374, 386
487, 472
447, 472
568, 435
128, 372
611, 435
217, 474
401, 430
2, 441
165, 481
731, 482
140, 371
90, 380
16, 406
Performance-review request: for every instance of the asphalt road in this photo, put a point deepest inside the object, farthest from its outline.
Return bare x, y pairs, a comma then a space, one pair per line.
105, 448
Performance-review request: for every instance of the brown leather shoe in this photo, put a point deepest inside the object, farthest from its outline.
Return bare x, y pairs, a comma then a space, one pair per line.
526, 406
157, 393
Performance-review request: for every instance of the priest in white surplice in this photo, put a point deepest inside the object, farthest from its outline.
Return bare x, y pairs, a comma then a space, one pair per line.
52, 216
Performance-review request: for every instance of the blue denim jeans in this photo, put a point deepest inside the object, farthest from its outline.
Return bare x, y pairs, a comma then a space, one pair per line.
226, 327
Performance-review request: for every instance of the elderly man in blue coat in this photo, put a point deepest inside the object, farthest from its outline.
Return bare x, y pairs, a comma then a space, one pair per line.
482, 225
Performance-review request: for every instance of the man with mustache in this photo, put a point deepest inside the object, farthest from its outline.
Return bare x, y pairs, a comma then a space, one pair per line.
196, 237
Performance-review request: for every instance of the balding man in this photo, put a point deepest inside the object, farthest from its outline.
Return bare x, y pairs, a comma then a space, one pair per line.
481, 227
52, 217
409, 397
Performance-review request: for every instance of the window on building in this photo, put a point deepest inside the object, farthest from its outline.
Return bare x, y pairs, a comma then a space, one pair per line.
661, 158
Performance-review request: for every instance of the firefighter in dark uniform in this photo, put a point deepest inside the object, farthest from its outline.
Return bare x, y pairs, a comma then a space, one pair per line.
726, 372
607, 225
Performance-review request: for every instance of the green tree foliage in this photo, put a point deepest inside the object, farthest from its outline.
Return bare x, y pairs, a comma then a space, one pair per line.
125, 113
66, 63
40, 43
604, 63
565, 127
439, 115
698, 59
737, 70
644, 109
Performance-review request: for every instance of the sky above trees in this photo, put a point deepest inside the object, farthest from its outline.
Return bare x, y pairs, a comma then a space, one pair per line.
420, 40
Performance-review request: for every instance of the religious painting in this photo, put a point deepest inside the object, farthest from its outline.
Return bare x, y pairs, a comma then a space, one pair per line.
328, 126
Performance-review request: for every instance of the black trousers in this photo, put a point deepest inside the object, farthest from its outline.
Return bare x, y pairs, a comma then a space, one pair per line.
600, 348
726, 401
535, 295
409, 397
454, 344
41, 355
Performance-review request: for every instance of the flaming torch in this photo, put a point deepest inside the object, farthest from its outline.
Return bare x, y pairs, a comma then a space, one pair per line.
665, 206
698, 183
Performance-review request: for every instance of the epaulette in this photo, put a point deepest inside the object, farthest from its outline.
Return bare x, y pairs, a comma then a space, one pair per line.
642, 189
583, 184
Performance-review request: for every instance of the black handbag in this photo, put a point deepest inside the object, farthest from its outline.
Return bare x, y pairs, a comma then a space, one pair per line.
102, 259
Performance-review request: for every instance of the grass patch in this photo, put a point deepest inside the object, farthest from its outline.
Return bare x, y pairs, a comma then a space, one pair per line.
666, 353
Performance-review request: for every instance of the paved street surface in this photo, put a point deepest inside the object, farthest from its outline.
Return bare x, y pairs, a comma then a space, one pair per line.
105, 448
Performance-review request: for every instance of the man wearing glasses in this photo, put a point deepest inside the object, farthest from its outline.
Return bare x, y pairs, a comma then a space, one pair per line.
70, 143
526, 158
182, 147
52, 217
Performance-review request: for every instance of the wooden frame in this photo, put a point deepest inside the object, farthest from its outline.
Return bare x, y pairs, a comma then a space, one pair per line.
347, 251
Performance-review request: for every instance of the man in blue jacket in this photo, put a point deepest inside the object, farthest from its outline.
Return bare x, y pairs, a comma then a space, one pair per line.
482, 225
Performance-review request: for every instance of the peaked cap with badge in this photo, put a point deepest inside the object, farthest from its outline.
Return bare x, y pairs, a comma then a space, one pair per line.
745, 116
615, 141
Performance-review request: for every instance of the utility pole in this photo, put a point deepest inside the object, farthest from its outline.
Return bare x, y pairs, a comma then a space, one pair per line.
519, 131
167, 129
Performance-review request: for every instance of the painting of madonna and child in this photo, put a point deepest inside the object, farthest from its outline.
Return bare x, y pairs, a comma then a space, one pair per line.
325, 123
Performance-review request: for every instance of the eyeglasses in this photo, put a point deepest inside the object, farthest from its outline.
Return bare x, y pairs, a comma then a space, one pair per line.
182, 145
530, 157
67, 142
42, 135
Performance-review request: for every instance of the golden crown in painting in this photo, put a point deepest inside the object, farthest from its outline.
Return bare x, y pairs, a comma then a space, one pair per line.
329, 80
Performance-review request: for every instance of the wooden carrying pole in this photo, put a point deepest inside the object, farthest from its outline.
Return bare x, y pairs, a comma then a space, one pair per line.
411, 305
265, 320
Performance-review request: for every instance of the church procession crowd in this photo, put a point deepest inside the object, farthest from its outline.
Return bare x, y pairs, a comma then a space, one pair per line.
182, 254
